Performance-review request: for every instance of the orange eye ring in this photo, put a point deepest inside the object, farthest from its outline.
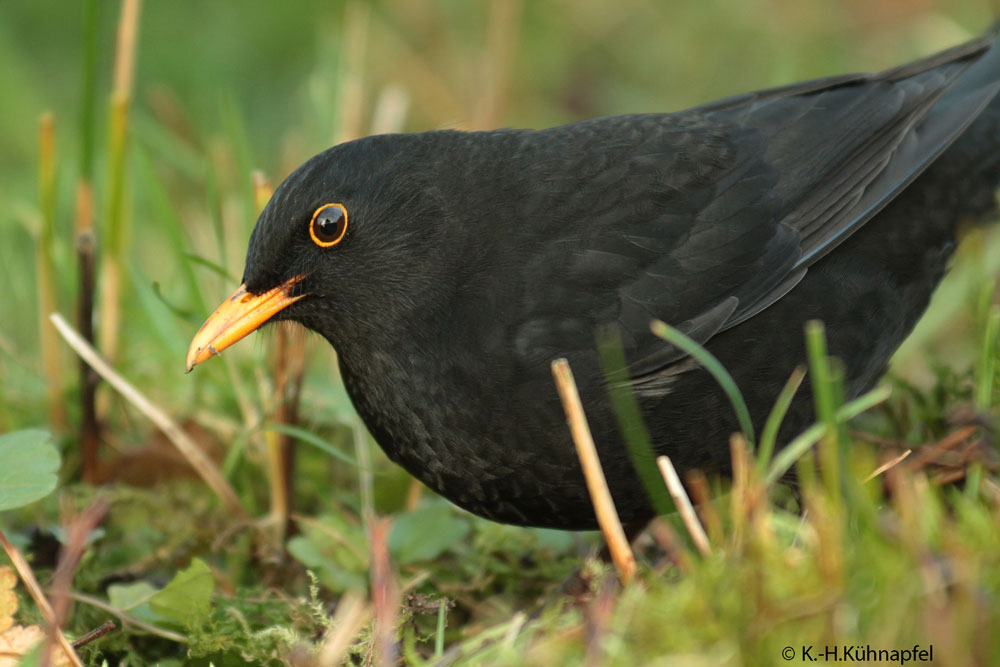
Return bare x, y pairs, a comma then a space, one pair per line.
328, 225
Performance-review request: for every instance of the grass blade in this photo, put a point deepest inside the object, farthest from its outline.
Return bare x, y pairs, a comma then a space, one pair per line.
787, 457
45, 268
986, 368
310, 438
630, 421
713, 366
769, 437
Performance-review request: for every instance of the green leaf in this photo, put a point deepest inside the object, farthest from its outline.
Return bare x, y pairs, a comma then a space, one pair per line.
187, 599
28, 466
425, 533
332, 574
133, 599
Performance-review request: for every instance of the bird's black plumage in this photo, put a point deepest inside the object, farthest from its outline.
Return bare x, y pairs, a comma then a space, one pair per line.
472, 260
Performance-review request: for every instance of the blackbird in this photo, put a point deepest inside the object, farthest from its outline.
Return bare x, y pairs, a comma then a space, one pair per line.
449, 268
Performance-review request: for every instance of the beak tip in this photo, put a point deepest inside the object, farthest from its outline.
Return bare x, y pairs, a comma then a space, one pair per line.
193, 359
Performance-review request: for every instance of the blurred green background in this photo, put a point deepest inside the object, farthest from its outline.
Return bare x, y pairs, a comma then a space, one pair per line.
224, 88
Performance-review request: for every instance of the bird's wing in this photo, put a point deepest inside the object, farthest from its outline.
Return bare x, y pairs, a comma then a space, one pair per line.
704, 218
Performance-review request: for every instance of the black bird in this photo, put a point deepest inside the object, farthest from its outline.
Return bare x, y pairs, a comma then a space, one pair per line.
449, 268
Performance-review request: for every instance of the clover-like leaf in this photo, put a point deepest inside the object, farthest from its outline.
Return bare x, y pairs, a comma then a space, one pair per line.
187, 599
29, 463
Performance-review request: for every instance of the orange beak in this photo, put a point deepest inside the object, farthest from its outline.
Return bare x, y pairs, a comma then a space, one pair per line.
239, 315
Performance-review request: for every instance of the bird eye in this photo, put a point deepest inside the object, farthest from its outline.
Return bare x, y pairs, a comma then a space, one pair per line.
328, 225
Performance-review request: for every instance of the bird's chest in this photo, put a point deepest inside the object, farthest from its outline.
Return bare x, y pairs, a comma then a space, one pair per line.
456, 425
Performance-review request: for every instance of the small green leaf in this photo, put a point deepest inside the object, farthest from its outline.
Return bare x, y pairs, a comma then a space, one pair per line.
28, 466
133, 599
187, 599
425, 533
331, 574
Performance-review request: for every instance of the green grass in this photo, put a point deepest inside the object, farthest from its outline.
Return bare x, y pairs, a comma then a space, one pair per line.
902, 559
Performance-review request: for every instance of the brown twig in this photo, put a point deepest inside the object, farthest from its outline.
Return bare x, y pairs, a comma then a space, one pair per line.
95, 634
684, 506
185, 445
86, 252
36, 593
76, 530
931, 453
129, 620
597, 484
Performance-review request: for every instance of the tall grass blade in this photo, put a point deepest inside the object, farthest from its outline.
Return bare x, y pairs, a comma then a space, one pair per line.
713, 366
630, 420
115, 230
986, 368
786, 458
46, 276
769, 436
824, 385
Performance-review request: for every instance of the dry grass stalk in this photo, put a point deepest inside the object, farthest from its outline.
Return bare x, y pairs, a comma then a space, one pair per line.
35, 591
390, 109
288, 393
498, 60
185, 445
288, 367
413, 493
385, 593
76, 530
352, 614
698, 485
352, 93
740, 500
669, 541
597, 485
684, 506
365, 480
128, 29
597, 617
888, 464
112, 266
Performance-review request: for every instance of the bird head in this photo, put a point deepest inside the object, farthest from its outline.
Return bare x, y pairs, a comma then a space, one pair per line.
350, 244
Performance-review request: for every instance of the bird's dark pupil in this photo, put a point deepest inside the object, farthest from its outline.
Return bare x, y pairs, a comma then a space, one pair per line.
329, 223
